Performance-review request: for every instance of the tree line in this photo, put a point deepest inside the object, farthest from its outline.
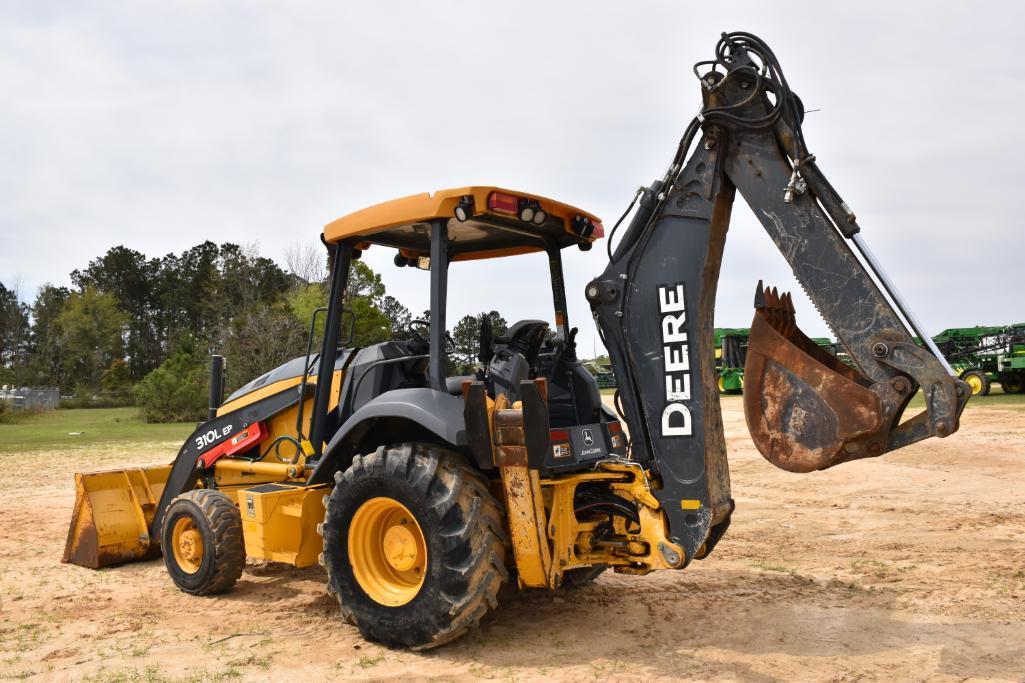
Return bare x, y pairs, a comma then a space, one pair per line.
131, 328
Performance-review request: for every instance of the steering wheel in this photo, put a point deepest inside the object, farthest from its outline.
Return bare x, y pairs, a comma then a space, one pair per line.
414, 327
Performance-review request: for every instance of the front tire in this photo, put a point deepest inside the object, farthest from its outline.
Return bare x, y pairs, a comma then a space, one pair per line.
978, 381
202, 542
413, 546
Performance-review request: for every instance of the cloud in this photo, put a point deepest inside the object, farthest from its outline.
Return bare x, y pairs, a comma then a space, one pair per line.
159, 126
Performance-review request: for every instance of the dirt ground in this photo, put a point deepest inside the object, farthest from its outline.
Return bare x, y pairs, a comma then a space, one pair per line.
910, 566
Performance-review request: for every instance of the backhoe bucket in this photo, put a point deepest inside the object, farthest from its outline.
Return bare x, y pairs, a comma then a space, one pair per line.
113, 511
806, 410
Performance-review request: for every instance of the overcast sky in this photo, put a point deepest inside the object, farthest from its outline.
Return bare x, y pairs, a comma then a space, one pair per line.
160, 125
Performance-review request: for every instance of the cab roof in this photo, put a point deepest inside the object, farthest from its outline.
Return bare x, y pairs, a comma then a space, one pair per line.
498, 222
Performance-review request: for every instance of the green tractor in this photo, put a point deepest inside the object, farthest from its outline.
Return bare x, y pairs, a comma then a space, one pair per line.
602, 372
731, 355
983, 355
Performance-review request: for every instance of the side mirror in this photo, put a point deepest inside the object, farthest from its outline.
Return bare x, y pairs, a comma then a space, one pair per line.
348, 326
348, 317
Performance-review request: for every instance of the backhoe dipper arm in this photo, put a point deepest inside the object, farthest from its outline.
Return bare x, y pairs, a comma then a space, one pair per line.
655, 302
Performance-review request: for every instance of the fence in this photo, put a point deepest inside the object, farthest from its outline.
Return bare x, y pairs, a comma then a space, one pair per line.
36, 399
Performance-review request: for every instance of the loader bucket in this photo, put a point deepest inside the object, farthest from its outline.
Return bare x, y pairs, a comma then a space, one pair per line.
806, 410
113, 511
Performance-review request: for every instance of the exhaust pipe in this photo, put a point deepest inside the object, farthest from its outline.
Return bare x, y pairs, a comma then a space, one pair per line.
216, 385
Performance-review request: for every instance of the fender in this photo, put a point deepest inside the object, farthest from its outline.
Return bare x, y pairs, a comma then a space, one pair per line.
435, 411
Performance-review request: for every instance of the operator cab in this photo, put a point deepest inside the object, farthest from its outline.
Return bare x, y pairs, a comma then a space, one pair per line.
433, 231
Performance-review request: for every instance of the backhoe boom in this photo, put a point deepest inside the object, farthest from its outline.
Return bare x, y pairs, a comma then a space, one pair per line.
654, 306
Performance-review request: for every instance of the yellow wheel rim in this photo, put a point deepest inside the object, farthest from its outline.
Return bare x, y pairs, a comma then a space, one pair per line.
722, 384
387, 551
975, 382
187, 544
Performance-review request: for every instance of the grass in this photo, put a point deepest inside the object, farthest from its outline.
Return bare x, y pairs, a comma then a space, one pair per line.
996, 399
152, 674
366, 661
771, 567
53, 430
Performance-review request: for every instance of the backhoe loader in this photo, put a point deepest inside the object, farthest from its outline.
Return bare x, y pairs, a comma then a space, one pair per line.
422, 493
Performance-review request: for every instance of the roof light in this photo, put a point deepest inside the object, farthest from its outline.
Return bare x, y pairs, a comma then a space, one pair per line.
531, 212
527, 212
599, 230
464, 210
500, 202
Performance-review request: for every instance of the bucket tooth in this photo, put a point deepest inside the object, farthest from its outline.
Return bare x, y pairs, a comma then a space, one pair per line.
759, 296
788, 312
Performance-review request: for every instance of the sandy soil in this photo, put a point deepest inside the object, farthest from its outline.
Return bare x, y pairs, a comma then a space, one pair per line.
911, 566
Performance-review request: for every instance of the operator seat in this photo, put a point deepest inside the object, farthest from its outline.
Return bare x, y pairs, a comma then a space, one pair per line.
526, 337
515, 352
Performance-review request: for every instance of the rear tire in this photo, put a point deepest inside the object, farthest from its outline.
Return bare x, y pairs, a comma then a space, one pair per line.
978, 381
456, 524
1013, 384
202, 542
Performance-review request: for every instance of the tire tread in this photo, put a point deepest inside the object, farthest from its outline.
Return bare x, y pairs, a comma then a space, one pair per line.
225, 523
472, 539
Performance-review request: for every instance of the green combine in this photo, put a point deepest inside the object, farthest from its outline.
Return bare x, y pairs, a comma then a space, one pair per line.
731, 354
981, 356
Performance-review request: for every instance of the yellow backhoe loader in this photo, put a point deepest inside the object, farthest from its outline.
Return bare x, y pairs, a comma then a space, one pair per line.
421, 493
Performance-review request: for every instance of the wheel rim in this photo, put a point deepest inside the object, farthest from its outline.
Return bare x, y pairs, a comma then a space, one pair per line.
187, 545
975, 382
1012, 386
722, 384
387, 551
